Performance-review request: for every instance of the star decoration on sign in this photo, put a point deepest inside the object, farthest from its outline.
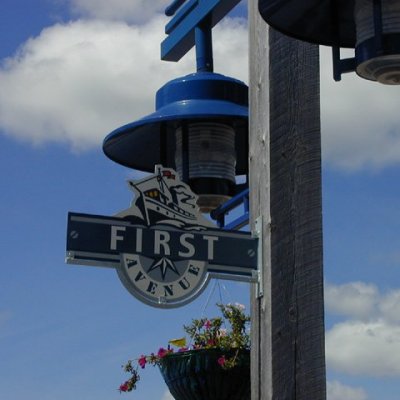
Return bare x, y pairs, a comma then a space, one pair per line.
164, 264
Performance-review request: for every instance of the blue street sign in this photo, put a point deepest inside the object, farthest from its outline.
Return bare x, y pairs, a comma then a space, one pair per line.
160, 265
162, 247
99, 240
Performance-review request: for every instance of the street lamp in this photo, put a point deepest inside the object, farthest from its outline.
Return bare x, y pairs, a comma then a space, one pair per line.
199, 128
371, 27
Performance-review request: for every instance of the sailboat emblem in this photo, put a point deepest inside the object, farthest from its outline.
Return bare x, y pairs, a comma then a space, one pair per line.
163, 199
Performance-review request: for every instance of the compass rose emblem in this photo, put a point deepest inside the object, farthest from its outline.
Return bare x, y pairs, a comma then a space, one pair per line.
163, 282
163, 265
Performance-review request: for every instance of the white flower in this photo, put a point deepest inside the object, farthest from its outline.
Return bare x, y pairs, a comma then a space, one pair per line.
222, 332
240, 307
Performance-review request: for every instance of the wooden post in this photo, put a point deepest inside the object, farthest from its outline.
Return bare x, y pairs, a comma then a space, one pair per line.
288, 361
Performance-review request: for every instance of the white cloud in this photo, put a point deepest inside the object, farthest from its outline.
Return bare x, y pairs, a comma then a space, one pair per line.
362, 302
137, 11
356, 299
71, 83
133, 11
369, 342
76, 82
390, 306
338, 391
364, 348
231, 47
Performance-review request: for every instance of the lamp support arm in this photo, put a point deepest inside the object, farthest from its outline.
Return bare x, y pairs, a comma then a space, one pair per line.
203, 44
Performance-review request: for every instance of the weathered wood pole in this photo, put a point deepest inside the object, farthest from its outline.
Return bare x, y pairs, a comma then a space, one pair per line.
288, 357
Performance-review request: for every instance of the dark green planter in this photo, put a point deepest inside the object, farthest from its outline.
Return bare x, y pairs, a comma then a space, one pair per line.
196, 375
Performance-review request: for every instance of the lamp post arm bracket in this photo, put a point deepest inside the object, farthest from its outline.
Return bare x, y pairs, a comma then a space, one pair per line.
341, 66
220, 212
181, 28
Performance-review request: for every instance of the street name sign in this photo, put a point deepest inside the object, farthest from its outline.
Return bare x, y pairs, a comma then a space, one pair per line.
163, 249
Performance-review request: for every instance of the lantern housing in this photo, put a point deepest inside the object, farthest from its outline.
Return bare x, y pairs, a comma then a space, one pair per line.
371, 27
199, 128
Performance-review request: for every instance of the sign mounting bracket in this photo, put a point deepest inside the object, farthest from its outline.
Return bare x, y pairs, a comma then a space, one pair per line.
258, 273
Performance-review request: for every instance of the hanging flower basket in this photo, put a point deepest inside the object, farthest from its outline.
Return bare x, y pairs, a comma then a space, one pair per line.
214, 366
197, 375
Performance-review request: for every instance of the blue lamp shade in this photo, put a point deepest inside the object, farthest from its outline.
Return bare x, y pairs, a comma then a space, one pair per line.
371, 27
199, 128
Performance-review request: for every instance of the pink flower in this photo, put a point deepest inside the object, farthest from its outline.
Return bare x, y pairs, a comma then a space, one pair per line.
221, 361
207, 324
124, 387
210, 342
183, 349
162, 352
142, 361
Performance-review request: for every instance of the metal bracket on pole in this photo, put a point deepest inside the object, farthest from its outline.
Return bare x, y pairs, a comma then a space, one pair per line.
258, 274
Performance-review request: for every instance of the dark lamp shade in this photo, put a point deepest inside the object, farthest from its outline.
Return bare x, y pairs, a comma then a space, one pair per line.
326, 22
371, 27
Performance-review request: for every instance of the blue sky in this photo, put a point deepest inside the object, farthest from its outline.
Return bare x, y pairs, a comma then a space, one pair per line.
73, 70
